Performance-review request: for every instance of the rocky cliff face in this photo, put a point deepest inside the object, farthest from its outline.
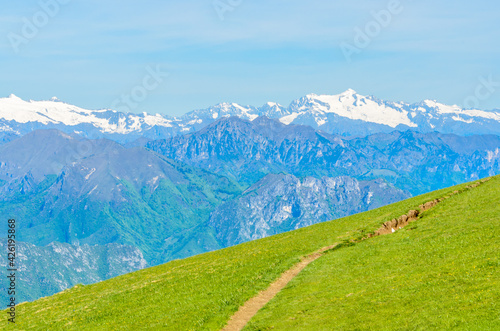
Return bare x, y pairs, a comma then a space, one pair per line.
281, 202
45, 270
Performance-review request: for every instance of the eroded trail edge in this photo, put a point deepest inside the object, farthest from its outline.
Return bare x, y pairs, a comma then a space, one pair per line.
251, 307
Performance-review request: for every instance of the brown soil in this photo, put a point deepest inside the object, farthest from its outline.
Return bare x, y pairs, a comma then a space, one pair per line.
251, 307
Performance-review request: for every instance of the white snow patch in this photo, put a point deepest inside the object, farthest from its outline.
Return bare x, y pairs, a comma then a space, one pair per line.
90, 174
153, 180
157, 120
92, 190
493, 155
289, 118
6, 128
251, 117
446, 109
369, 198
320, 121
195, 121
458, 118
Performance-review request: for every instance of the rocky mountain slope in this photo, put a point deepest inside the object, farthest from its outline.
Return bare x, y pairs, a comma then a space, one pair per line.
247, 150
417, 162
281, 202
45, 270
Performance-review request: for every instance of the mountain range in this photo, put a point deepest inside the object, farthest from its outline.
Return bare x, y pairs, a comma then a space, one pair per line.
89, 194
102, 193
347, 114
106, 193
413, 161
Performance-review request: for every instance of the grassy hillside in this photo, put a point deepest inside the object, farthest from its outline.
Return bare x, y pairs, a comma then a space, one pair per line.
440, 271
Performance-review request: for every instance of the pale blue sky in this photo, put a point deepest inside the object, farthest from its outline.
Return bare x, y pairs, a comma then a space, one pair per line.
91, 52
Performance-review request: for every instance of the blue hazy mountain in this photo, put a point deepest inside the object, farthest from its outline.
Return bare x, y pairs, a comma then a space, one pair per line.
413, 161
89, 194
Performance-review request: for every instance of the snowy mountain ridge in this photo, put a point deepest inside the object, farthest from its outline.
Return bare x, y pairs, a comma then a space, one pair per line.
347, 113
54, 111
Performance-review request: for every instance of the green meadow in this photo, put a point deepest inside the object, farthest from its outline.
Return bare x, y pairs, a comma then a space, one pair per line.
439, 272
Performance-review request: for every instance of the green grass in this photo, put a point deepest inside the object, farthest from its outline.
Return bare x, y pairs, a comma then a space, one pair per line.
202, 292
440, 273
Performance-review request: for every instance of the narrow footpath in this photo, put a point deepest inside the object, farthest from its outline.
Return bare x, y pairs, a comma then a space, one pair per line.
252, 306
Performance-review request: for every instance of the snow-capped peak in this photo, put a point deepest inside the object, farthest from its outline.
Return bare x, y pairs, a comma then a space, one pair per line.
14, 97
351, 105
349, 91
55, 112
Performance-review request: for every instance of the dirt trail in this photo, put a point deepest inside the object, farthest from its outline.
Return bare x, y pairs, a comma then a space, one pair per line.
251, 307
